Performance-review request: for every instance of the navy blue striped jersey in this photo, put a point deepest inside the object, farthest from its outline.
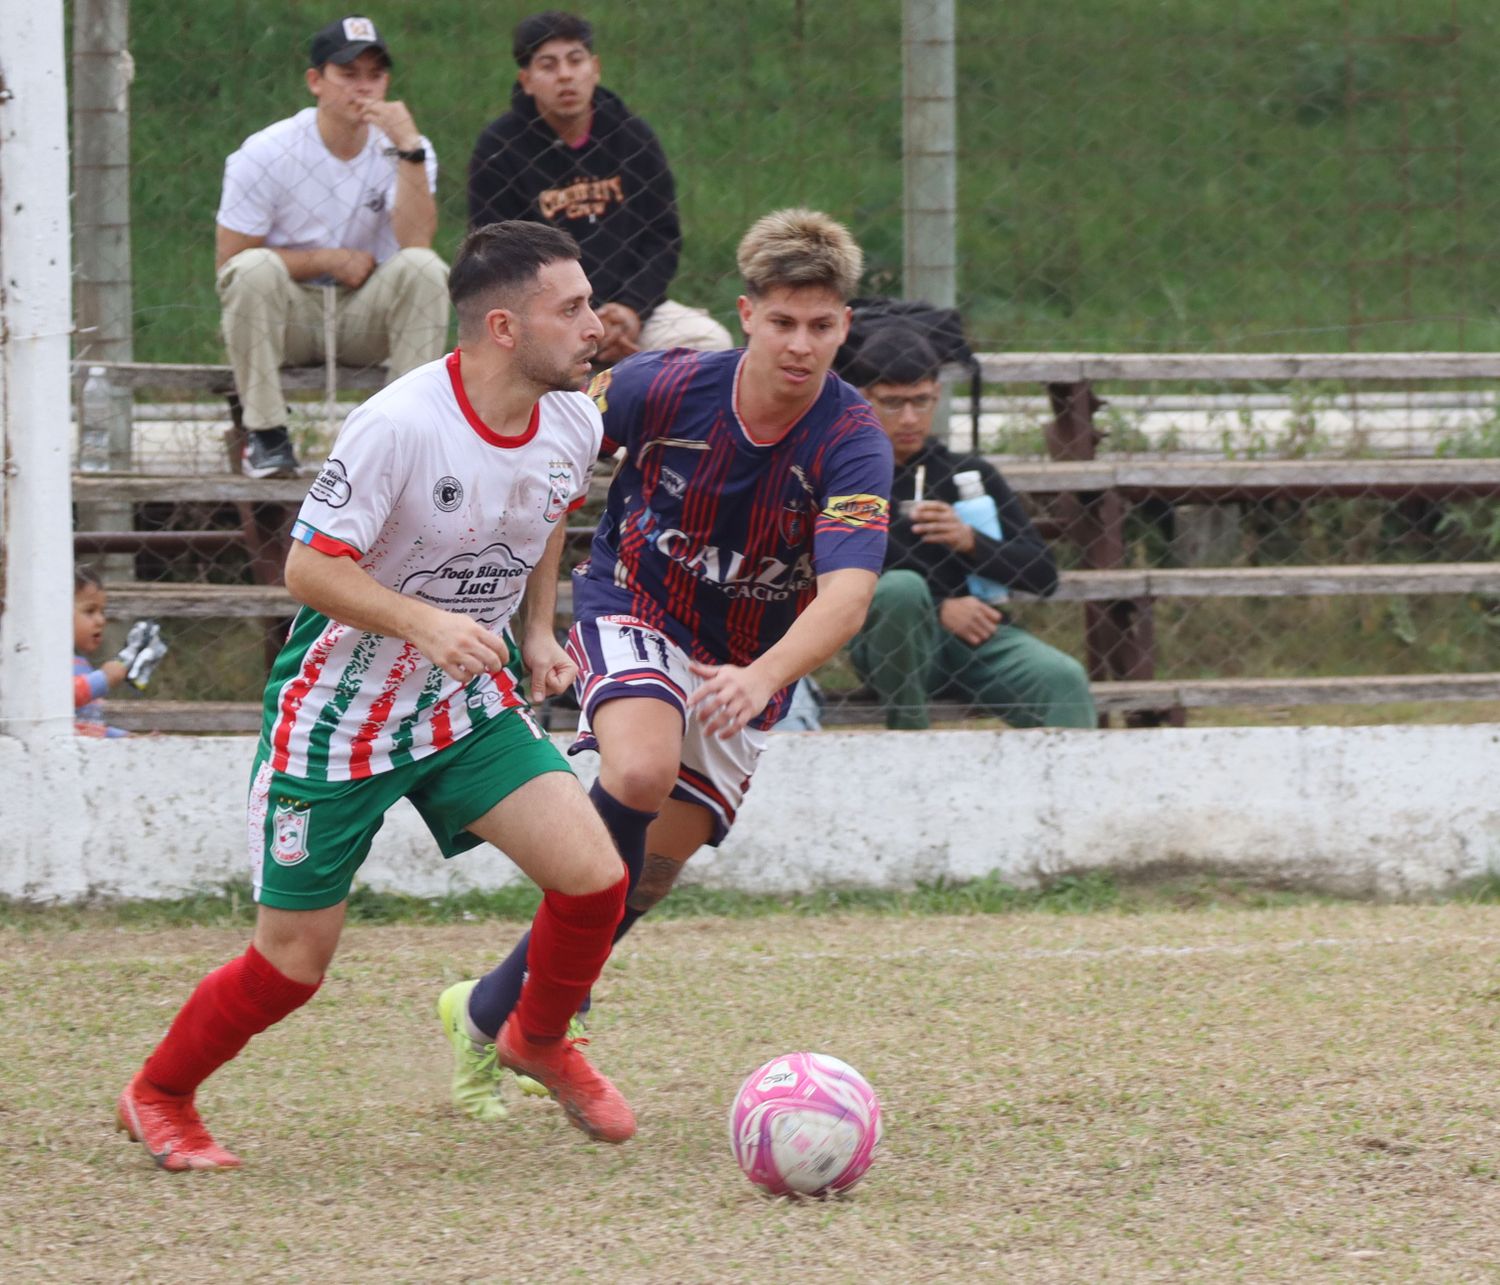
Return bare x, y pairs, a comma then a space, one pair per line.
712, 538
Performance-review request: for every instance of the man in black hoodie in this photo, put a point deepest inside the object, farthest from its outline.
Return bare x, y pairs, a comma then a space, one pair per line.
929, 633
569, 153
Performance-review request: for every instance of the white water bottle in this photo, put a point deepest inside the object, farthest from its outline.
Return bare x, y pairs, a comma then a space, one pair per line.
977, 507
101, 408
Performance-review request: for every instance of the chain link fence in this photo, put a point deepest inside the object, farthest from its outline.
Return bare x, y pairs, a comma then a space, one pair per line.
1190, 177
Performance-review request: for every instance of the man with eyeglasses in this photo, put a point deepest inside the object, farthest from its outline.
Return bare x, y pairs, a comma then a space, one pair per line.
928, 634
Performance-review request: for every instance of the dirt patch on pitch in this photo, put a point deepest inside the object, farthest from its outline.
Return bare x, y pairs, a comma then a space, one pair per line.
1269, 1095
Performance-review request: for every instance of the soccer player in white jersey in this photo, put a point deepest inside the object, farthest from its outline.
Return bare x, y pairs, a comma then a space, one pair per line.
427, 557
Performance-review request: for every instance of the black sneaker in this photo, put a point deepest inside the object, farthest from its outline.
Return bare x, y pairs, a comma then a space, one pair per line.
268, 453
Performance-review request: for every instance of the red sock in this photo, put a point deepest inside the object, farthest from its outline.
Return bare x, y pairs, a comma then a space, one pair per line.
570, 940
230, 1005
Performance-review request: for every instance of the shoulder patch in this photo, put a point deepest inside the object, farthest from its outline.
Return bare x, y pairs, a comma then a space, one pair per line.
599, 389
856, 510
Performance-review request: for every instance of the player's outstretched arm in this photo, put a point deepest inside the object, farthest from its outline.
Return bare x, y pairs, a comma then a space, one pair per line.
551, 671
732, 696
339, 588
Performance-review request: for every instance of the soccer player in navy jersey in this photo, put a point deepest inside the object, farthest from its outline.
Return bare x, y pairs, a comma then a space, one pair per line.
744, 534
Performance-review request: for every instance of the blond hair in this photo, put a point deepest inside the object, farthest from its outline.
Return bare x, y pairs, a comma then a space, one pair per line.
793, 248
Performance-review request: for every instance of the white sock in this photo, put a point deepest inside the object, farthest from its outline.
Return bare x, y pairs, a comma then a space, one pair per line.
476, 1037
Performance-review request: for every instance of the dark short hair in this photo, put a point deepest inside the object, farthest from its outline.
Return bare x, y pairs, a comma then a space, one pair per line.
85, 577
534, 32
893, 354
497, 259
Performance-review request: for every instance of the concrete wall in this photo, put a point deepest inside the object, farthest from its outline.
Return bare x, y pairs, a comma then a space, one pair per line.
1379, 810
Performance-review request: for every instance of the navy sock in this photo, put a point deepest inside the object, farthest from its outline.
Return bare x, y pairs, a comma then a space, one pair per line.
627, 827
496, 993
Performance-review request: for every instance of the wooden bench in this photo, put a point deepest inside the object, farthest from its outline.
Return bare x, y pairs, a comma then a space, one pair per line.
1089, 500
1110, 698
261, 515
182, 377
196, 601
129, 600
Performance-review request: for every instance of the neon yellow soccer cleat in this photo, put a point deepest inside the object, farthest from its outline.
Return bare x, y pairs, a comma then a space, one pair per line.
477, 1077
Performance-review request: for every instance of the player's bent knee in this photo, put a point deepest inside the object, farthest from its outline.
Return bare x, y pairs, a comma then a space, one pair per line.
643, 784
586, 871
299, 943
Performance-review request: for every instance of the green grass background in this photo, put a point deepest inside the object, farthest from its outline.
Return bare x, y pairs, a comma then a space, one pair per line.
1192, 174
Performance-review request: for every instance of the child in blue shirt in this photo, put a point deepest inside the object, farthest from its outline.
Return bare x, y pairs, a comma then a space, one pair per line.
144, 647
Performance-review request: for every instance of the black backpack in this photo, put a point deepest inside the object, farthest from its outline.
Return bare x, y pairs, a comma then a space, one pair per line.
943, 328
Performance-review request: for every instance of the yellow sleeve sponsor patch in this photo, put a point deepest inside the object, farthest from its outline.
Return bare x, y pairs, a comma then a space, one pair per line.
856, 510
598, 387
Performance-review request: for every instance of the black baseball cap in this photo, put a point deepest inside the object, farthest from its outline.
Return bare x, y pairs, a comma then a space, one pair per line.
343, 41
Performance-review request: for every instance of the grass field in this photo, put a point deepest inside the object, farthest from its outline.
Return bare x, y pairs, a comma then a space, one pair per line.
1273, 174
1303, 1092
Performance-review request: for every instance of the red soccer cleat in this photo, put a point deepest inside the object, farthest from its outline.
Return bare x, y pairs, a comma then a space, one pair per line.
168, 1126
591, 1101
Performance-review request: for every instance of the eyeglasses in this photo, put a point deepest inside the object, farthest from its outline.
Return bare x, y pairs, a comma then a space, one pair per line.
921, 401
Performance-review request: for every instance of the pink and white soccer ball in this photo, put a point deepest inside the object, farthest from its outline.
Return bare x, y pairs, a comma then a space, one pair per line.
804, 1123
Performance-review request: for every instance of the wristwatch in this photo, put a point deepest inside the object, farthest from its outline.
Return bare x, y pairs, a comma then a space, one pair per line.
417, 154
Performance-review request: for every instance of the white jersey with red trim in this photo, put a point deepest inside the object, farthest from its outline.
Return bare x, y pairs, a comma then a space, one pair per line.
430, 502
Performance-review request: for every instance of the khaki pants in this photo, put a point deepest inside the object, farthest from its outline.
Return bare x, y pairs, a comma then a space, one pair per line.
675, 325
399, 317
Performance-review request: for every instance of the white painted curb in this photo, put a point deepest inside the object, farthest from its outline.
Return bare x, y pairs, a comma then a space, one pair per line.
1380, 811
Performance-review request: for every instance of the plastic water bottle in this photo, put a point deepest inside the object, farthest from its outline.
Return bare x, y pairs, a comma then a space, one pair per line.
103, 416
977, 507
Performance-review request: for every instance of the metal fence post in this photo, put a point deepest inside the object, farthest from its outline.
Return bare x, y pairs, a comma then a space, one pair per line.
102, 72
930, 162
36, 613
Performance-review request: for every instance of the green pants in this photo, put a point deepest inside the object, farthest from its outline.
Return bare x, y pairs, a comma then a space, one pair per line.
908, 658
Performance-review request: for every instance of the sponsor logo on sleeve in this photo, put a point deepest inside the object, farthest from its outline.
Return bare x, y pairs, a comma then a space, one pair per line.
856, 510
599, 389
448, 493
331, 486
289, 833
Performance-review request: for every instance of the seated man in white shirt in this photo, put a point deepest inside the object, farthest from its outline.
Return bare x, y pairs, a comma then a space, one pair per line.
340, 194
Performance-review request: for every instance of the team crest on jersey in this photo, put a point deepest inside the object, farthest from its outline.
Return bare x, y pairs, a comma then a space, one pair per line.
794, 522
856, 510
289, 834
448, 494
674, 482
599, 389
559, 493
331, 487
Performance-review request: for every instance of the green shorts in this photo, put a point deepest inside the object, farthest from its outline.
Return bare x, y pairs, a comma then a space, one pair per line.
307, 838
